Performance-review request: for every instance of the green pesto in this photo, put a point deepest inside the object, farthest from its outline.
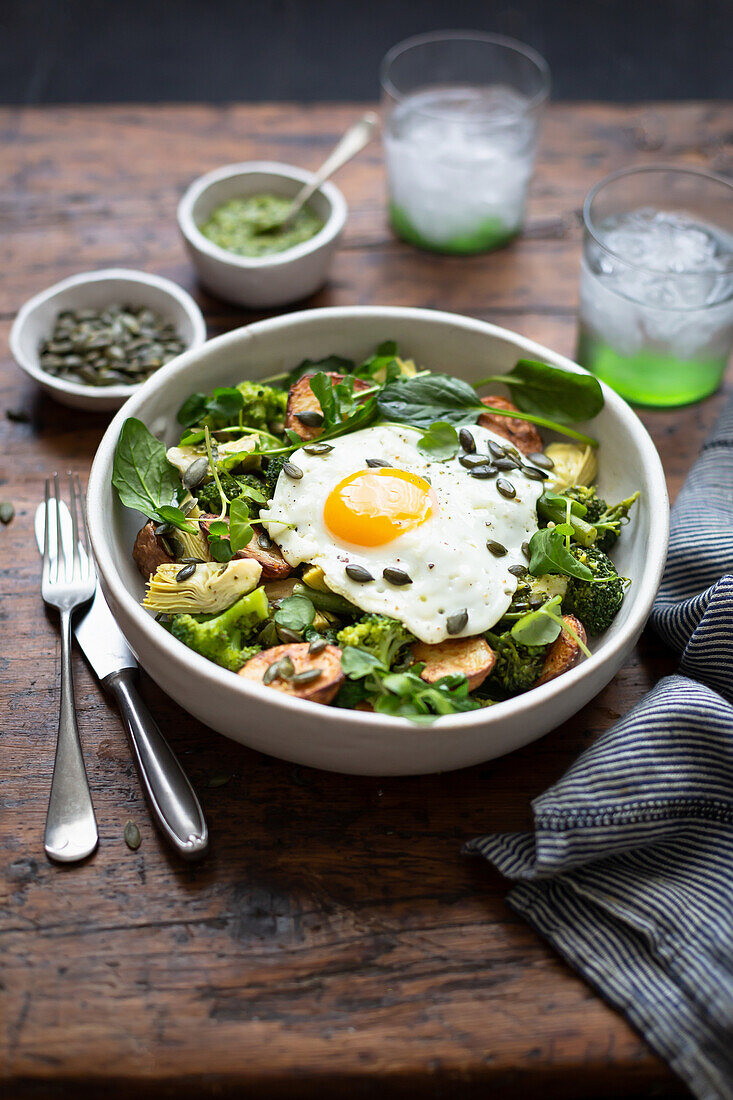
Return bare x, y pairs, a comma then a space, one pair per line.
237, 225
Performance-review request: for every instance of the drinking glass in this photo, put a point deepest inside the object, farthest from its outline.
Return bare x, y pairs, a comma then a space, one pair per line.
461, 121
656, 283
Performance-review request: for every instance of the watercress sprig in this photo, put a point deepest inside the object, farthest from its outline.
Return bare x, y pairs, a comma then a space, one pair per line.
542, 626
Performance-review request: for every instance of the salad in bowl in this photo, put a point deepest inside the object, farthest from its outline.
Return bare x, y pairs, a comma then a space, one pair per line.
374, 536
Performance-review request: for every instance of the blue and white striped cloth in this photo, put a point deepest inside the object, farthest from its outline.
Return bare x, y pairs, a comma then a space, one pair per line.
629, 872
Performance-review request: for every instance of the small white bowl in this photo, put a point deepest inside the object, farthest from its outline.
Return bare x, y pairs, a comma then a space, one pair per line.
262, 281
94, 290
351, 740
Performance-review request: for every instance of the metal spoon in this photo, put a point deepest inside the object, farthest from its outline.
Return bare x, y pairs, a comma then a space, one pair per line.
353, 141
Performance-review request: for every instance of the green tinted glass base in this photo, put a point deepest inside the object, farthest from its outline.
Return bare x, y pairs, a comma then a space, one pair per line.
489, 234
651, 378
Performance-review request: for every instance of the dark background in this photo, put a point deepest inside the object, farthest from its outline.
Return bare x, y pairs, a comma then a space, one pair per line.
76, 51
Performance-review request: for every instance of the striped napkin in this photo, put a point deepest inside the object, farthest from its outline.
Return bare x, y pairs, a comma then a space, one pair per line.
629, 872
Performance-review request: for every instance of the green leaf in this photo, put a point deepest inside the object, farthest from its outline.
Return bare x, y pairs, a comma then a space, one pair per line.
334, 363
549, 554
538, 627
551, 392
439, 442
225, 403
220, 550
356, 663
421, 401
240, 531
321, 386
248, 492
192, 410
176, 517
295, 613
142, 475
383, 362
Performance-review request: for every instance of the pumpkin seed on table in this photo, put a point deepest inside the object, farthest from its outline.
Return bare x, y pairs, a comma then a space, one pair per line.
7, 512
132, 836
117, 345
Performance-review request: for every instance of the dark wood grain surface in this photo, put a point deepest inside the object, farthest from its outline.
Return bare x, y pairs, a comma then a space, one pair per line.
335, 941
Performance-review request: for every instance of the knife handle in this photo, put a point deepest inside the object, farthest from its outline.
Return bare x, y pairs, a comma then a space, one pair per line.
176, 808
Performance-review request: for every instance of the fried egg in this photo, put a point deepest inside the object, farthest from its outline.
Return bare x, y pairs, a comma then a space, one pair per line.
404, 535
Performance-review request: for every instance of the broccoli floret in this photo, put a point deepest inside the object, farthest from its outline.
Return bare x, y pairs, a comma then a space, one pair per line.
272, 473
223, 638
517, 666
381, 636
607, 519
596, 605
264, 407
552, 508
234, 486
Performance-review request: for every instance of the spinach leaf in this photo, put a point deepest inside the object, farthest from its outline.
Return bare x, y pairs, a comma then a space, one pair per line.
240, 531
295, 613
551, 392
439, 442
144, 478
423, 400
549, 554
225, 403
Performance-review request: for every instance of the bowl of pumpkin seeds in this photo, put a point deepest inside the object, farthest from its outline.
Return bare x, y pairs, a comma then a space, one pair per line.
93, 339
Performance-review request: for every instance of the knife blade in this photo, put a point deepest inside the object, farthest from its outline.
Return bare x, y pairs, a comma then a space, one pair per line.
176, 809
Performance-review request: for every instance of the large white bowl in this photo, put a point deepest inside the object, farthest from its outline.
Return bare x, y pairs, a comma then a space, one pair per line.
355, 741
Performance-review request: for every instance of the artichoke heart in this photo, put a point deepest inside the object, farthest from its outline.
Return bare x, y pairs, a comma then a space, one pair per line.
210, 588
572, 465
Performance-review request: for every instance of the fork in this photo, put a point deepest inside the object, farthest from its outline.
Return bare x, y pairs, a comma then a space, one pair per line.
68, 581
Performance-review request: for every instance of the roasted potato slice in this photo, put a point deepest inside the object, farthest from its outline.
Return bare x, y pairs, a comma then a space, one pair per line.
564, 651
273, 563
148, 552
302, 399
319, 689
471, 656
521, 433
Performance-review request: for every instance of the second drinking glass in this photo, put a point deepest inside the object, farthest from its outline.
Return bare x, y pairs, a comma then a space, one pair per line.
462, 114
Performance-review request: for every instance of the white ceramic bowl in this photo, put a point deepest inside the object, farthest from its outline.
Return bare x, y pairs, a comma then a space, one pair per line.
263, 281
354, 741
94, 290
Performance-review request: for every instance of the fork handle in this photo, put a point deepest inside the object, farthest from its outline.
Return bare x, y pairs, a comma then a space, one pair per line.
175, 807
71, 828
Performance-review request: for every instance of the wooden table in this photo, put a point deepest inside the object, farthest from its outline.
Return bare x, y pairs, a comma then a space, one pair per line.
335, 941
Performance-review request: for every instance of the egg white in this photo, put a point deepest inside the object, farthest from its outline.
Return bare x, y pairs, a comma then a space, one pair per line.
446, 557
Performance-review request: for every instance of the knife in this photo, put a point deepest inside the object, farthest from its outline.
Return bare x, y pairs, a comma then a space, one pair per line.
175, 807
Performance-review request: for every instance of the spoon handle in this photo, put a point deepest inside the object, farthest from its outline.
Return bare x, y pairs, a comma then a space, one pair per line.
353, 141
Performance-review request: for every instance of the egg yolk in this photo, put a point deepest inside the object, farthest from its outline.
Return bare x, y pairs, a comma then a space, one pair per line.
373, 507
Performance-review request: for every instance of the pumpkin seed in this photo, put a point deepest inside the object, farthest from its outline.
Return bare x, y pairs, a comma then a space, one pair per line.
187, 571
285, 634
271, 673
358, 573
505, 463
310, 418
469, 461
484, 471
396, 576
195, 473
457, 622
7, 511
264, 541
496, 449
467, 441
526, 550
533, 473
506, 488
192, 561
518, 570
318, 448
317, 646
287, 668
377, 463
542, 460
132, 836
293, 471
307, 676
496, 548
